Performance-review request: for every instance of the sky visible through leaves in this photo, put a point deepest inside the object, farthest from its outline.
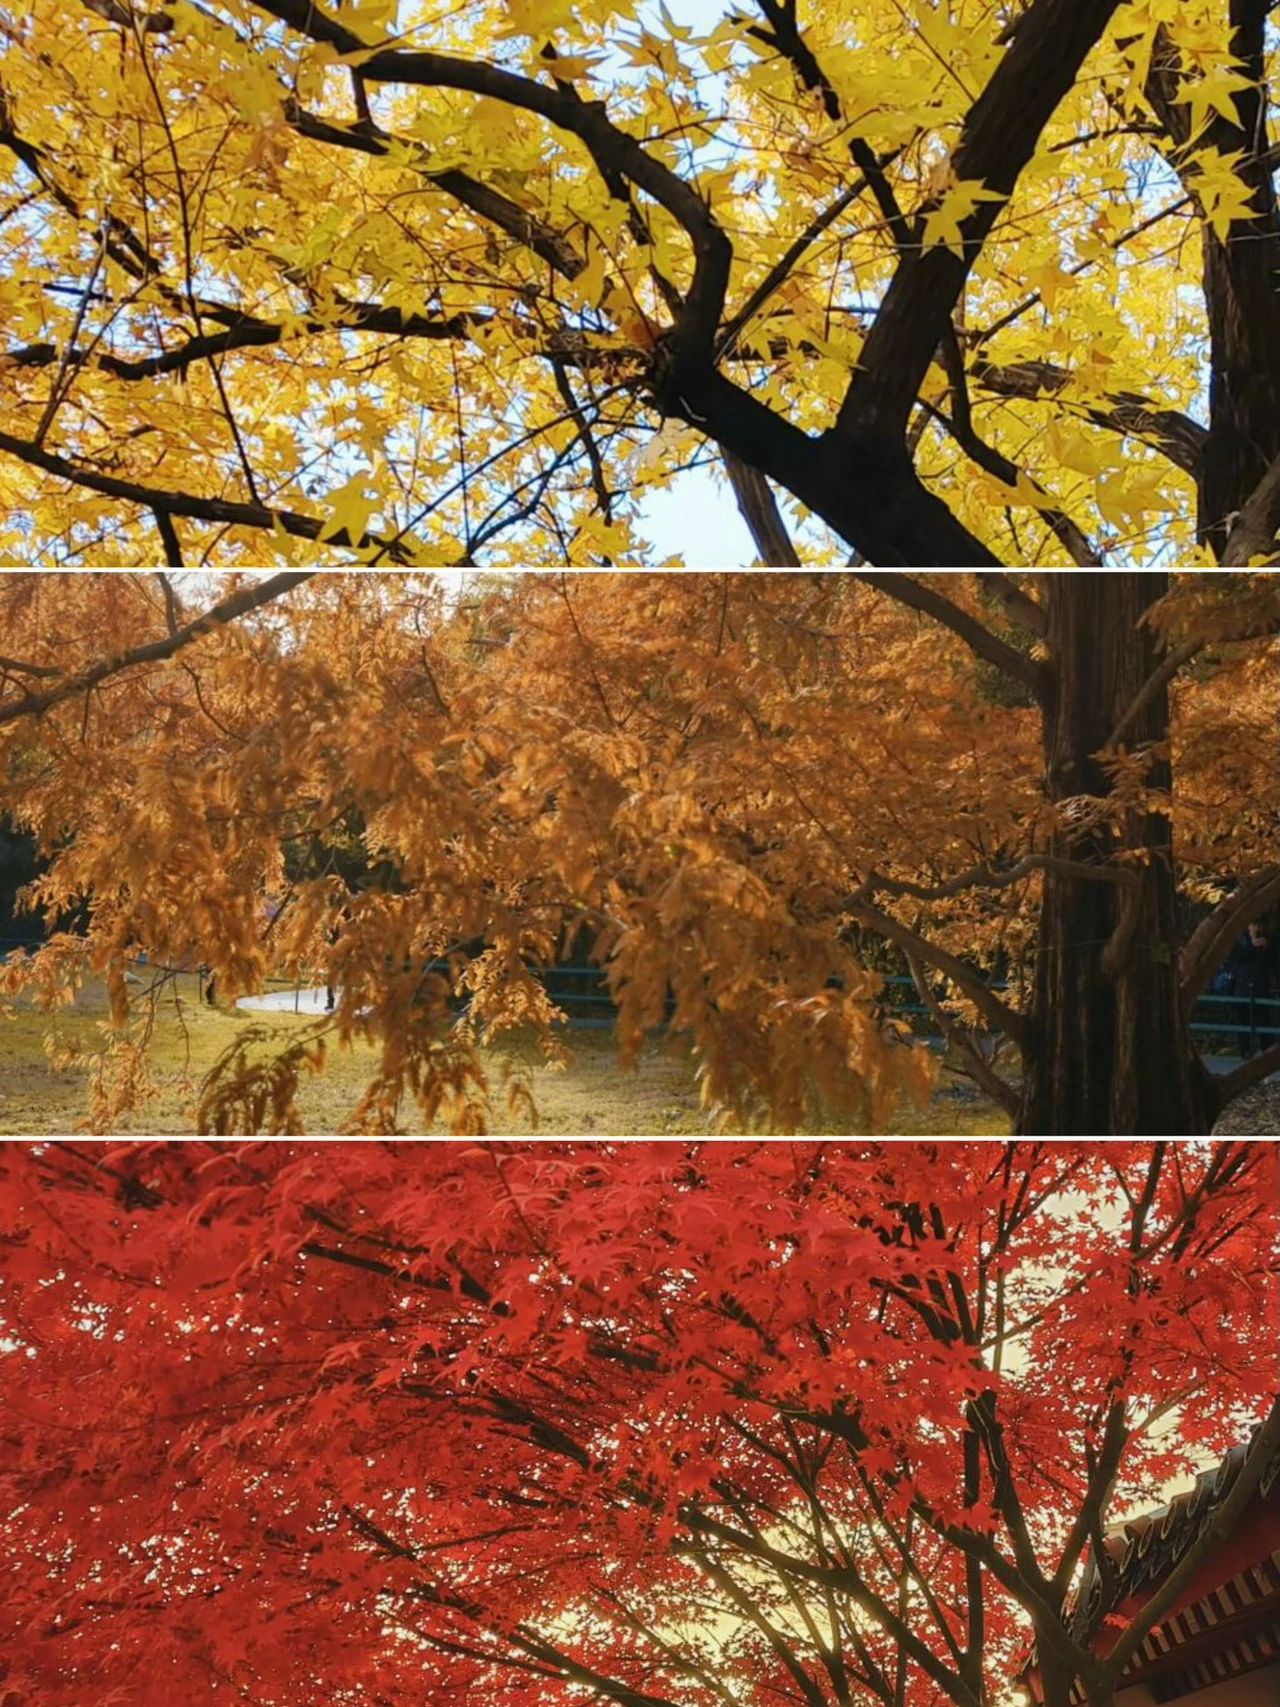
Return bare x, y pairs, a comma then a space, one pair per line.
386, 295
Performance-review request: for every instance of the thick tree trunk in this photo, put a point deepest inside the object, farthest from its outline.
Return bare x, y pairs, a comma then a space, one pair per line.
1108, 1050
1240, 272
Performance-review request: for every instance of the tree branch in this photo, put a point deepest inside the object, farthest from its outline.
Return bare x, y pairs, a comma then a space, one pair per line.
1174, 434
1243, 1078
179, 504
748, 1609
980, 640
784, 265
999, 137
983, 877
599, 481
236, 604
366, 137
873, 497
560, 106
847, 1581
761, 513
999, 1090
1034, 298
1173, 661
1018, 606
1253, 537
1045, 1614
1207, 946
248, 332
20, 667
783, 33
1242, 308
172, 544
1102, 1475
960, 425
999, 1016
481, 199
1213, 1536
1153, 687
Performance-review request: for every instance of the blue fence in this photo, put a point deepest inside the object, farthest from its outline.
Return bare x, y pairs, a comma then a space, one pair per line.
1244, 1024
15, 944
1239, 1020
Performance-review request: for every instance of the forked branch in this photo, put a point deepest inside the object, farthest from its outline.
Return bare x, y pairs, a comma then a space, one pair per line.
237, 604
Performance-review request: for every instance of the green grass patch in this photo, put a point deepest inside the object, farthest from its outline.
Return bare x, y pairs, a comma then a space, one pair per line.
593, 1095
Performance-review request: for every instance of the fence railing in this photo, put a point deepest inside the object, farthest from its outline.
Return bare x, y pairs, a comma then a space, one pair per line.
1246, 1023
13, 944
1254, 1020
1249, 1022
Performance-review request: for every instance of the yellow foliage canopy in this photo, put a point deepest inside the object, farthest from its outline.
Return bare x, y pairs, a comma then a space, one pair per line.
403, 282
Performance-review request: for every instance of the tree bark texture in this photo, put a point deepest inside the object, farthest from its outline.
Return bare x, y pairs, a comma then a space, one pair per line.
1108, 1049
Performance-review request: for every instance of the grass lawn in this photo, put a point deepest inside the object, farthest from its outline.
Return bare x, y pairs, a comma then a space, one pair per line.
593, 1096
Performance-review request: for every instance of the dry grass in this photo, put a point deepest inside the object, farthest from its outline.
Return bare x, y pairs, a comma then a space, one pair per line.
593, 1096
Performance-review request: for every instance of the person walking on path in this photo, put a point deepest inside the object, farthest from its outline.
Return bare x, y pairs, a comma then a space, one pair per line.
1254, 973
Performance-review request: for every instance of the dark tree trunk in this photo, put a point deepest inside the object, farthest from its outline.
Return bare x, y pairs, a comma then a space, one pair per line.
1240, 273
1108, 1050
1057, 1680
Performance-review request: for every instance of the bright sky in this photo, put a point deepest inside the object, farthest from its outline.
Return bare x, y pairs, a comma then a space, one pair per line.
697, 520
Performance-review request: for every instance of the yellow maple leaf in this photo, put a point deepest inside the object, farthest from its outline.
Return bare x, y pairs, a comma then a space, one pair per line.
943, 226
1224, 196
349, 509
1214, 92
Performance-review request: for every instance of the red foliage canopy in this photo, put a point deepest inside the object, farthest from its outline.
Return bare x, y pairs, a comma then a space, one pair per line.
649, 1423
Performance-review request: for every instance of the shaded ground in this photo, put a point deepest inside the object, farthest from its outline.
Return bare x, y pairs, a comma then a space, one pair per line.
593, 1096
1256, 1114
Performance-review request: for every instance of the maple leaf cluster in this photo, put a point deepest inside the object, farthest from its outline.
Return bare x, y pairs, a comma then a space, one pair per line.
389, 283
650, 1422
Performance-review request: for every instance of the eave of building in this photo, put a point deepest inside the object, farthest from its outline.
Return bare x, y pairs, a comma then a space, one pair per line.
1228, 1619
1231, 1629
1144, 1550
1248, 1652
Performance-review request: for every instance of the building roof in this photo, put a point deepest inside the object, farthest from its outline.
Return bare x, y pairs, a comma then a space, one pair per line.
1225, 1627
1145, 1549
